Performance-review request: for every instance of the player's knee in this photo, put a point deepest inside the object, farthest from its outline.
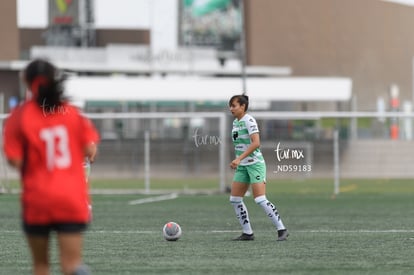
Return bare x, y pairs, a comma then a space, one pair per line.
235, 199
260, 199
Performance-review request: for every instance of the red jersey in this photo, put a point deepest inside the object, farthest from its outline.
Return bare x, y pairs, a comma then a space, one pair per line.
51, 146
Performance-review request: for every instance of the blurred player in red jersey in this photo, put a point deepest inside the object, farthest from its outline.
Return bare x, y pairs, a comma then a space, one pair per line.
47, 140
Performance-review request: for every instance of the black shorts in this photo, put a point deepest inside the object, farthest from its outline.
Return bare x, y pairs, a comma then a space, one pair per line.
44, 230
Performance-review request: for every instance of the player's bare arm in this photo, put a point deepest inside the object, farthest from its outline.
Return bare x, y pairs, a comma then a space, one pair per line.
90, 151
15, 163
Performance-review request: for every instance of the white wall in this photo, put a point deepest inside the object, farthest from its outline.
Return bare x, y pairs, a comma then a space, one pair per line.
32, 13
159, 16
122, 14
119, 14
164, 26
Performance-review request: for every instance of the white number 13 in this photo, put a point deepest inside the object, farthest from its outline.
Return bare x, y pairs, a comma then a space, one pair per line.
57, 147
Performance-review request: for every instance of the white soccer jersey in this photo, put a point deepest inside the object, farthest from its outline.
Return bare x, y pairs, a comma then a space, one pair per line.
242, 129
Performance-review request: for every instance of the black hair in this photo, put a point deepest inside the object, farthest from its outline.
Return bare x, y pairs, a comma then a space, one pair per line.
46, 83
242, 99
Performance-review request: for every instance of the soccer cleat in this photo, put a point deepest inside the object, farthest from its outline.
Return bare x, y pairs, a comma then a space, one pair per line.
245, 237
282, 235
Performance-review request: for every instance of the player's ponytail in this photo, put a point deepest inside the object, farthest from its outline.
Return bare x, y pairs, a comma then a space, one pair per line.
45, 83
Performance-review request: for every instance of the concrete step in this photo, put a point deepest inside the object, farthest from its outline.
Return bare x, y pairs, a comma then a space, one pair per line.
378, 159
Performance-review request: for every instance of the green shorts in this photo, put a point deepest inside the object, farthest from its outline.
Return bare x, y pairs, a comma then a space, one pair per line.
255, 173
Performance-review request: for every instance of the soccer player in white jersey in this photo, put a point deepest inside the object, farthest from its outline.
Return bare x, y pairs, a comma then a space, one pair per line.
250, 170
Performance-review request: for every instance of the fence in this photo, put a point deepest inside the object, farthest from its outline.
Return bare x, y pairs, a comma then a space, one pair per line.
296, 145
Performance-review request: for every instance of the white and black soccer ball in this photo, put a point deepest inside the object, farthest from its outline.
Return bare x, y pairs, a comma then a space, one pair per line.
171, 231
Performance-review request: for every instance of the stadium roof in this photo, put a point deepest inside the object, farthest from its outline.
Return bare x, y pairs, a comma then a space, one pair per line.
208, 68
260, 90
402, 2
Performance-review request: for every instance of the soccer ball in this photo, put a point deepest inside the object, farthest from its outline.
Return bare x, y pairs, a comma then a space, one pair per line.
171, 231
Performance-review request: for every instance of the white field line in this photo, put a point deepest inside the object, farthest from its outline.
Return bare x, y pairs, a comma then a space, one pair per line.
235, 231
334, 231
359, 231
154, 199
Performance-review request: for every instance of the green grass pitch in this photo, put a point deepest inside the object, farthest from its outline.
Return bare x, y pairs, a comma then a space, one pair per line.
367, 229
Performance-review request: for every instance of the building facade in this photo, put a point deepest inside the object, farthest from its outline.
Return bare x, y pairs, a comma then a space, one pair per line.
369, 41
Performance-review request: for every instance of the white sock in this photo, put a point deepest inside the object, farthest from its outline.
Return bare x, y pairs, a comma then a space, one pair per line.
271, 211
241, 214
